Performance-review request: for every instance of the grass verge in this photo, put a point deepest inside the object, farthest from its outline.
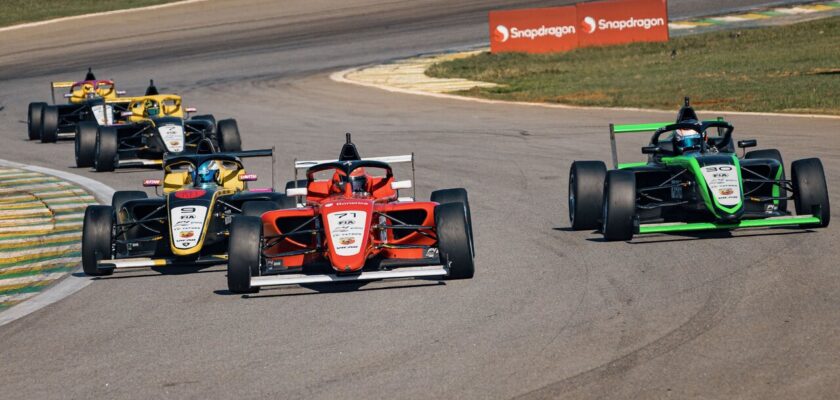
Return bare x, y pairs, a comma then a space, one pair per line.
792, 69
13, 12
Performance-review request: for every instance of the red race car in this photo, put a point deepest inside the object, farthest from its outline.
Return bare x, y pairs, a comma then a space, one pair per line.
351, 225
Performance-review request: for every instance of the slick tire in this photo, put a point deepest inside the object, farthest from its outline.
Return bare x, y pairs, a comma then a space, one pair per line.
85, 143
122, 196
244, 254
33, 120
457, 195
105, 154
301, 183
586, 194
619, 205
96, 239
772, 154
810, 189
454, 242
49, 124
258, 207
228, 134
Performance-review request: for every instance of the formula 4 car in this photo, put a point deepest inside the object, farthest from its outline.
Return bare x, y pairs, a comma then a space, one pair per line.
92, 100
692, 181
188, 224
156, 126
352, 226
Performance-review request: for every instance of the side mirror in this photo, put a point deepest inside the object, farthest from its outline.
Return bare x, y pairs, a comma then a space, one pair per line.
121, 92
151, 183
247, 177
747, 143
397, 185
126, 114
296, 192
651, 150
190, 109
68, 95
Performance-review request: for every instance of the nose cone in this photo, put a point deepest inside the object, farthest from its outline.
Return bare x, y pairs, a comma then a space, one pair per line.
347, 224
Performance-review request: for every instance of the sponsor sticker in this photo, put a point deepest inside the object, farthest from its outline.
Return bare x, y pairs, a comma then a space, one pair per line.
173, 137
347, 231
187, 224
723, 183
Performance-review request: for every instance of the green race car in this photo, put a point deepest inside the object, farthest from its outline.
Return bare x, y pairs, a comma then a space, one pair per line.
693, 180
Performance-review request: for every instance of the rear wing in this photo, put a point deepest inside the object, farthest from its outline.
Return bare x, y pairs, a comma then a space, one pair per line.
59, 85
387, 159
635, 128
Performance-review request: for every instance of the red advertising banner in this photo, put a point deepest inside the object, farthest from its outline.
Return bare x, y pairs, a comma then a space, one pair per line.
536, 30
556, 29
622, 21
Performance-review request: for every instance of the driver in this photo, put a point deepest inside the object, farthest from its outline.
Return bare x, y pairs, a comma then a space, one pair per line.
687, 139
207, 173
358, 181
152, 108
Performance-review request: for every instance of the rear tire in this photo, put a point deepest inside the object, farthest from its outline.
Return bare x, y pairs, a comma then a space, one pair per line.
619, 205
244, 253
33, 121
772, 154
228, 134
301, 183
454, 242
257, 208
810, 189
96, 239
85, 143
457, 195
586, 193
122, 196
49, 124
105, 158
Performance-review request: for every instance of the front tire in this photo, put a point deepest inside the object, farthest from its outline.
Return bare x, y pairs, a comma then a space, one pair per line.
105, 158
810, 189
228, 133
457, 195
772, 154
122, 196
454, 242
49, 124
85, 143
257, 208
619, 205
96, 239
244, 253
586, 193
33, 121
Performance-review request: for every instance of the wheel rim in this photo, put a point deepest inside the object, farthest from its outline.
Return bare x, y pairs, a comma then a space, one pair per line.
572, 198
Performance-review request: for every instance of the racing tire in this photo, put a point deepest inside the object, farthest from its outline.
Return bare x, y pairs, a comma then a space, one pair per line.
122, 196
49, 124
207, 117
454, 241
810, 189
33, 121
457, 195
586, 194
244, 254
257, 208
301, 183
85, 143
619, 206
772, 154
286, 202
96, 239
105, 154
228, 134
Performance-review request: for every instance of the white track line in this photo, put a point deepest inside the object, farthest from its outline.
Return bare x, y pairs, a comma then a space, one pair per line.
99, 14
72, 283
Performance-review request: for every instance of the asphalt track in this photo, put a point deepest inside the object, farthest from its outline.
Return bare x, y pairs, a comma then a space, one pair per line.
551, 313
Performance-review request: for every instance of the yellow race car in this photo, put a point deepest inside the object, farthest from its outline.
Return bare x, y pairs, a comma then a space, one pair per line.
155, 126
94, 100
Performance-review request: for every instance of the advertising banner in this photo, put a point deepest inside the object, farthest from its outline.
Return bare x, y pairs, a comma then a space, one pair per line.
536, 30
622, 21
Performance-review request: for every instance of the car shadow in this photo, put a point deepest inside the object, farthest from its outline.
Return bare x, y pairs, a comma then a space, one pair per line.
156, 271
332, 288
707, 235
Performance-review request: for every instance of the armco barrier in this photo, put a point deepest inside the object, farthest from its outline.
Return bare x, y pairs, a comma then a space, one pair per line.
545, 30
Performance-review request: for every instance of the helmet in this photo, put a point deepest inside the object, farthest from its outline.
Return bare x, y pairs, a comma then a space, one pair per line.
687, 138
358, 183
206, 173
152, 108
